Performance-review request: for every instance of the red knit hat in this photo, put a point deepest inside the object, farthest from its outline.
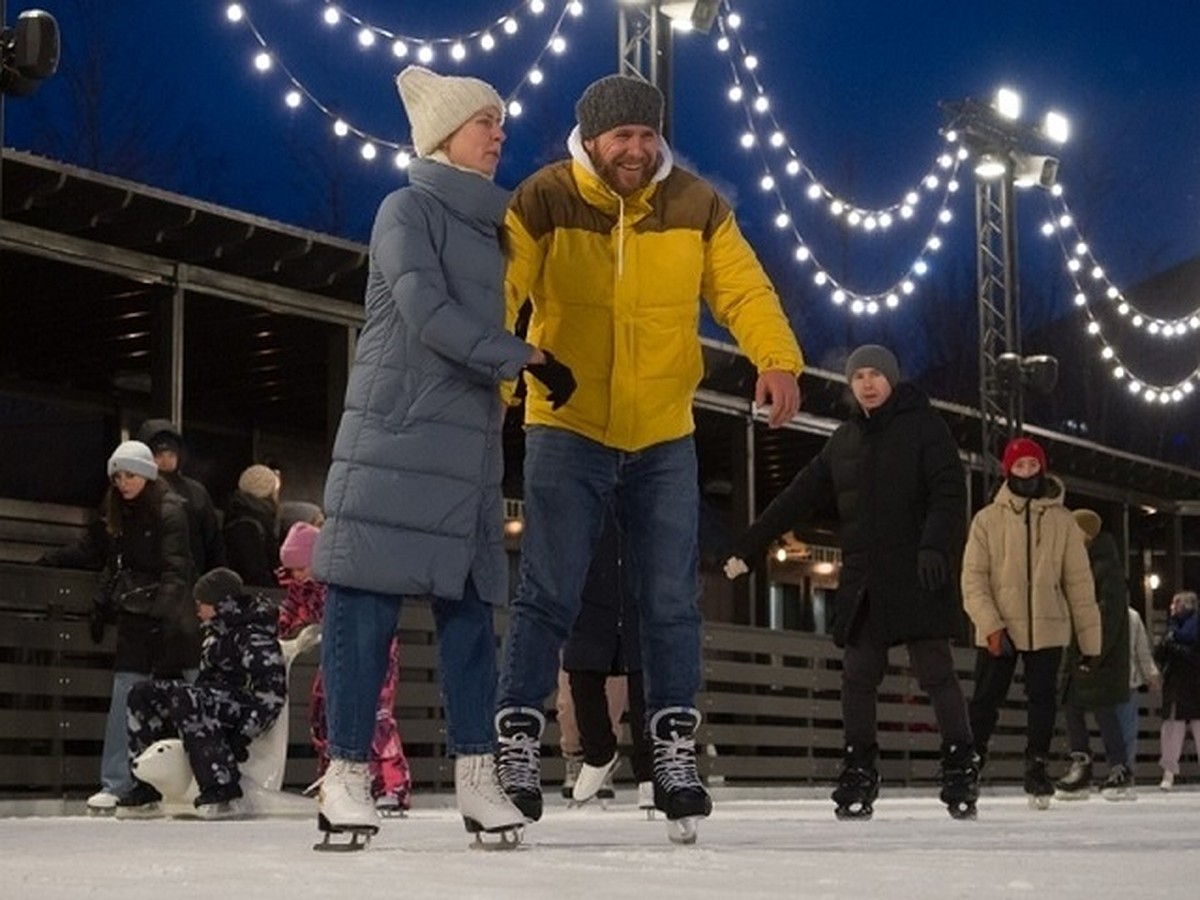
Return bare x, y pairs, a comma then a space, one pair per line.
1018, 448
297, 549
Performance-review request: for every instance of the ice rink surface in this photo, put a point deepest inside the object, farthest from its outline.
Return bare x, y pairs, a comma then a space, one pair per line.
749, 848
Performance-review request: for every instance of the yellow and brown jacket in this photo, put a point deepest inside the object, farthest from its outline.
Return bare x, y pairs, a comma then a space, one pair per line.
614, 284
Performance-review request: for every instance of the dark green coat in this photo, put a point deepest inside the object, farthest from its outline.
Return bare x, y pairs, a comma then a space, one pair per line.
1107, 681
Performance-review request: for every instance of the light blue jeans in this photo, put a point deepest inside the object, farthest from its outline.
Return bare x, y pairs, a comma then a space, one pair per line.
355, 643
569, 482
1127, 712
115, 775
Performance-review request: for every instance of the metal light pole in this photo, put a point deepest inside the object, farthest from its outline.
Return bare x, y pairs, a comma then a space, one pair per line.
998, 146
644, 49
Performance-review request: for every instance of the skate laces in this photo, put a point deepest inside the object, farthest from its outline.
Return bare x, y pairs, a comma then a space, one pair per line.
675, 752
519, 750
351, 777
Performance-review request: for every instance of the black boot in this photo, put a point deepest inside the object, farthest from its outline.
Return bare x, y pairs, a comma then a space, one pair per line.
1077, 783
960, 779
1038, 785
678, 791
858, 783
142, 802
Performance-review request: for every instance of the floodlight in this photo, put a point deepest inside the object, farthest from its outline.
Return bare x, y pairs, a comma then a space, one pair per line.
1008, 103
696, 14
1037, 372
1034, 171
1056, 127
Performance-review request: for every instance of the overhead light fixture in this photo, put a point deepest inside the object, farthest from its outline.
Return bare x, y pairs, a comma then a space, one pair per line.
1034, 171
990, 166
28, 52
1056, 127
693, 14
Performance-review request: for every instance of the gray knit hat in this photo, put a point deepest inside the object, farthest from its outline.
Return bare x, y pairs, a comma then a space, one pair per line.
438, 105
873, 356
618, 100
135, 458
215, 585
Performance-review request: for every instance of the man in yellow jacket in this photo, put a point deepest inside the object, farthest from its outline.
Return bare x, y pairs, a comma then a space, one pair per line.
614, 248
1027, 587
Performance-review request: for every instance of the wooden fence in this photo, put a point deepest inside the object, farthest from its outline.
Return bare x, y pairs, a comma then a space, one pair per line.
772, 713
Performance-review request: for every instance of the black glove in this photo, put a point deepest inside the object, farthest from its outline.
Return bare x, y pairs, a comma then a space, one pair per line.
931, 569
556, 377
97, 621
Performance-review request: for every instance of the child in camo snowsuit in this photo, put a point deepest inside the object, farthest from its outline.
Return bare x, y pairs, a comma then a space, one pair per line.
391, 779
238, 695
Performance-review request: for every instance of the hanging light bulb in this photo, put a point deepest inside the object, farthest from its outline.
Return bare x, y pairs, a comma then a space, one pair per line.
366, 38
292, 99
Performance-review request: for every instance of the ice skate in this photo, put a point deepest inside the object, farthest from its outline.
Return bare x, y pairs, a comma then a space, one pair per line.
223, 801
677, 788
960, 780
1038, 786
518, 758
1119, 785
1168, 782
102, 803
346, 806
645, 799
1077, 783
484, 807
593, 781
142, 802
858, 784
391, 806
572, 763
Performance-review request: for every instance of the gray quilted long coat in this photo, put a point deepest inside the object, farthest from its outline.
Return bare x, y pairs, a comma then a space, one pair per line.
413, 500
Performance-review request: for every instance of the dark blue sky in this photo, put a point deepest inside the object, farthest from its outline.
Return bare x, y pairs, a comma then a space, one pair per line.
855, 84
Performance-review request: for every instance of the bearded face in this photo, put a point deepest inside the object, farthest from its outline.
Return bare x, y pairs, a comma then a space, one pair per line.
625, 157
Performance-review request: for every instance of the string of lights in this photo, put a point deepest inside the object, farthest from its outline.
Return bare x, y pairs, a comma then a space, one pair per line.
869, 221
1062, 223
297, 93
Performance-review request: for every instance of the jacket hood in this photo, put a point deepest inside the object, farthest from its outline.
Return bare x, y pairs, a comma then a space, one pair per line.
666, 162
151, 428
236, 611
468, 194
905, 398
1104, 548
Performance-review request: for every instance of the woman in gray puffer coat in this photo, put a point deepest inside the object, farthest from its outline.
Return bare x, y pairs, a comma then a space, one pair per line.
413, 499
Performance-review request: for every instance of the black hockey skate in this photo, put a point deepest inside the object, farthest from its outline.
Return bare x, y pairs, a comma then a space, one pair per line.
960, 780
519, 756
677, 788
858, 784
1077, 783
1038, 786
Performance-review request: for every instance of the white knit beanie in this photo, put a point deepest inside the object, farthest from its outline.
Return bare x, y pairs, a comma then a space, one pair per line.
135, 458
438, 105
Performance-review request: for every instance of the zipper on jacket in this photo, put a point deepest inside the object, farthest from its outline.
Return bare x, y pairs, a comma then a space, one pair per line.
1029, 567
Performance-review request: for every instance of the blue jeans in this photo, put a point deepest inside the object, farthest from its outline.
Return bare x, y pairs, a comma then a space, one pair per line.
355, 643
1108, 720
569, 483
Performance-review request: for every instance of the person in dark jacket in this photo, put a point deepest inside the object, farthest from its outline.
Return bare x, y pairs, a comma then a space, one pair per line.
252, 526
1103, 684
143, 550
894, 472
413, 500
166, 443
238, 695
1178, 655
603, 650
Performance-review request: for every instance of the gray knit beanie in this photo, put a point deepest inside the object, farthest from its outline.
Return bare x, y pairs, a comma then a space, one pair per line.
214, 586
135, 458
873, 356
618, 100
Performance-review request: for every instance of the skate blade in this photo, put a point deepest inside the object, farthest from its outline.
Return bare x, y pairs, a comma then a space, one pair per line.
359, 840
507, 839
964, 811
100, 812
1072, 795
682, 831
856, 813
392, 812
1037, 801
650, 811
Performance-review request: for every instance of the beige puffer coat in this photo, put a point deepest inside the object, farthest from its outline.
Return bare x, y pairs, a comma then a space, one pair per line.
1035, 582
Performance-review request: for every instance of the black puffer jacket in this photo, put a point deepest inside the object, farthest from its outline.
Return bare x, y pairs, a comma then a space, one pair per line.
252, 539
899, 487
1178, 655
1106, 681
606, 637
152, 546
241, 654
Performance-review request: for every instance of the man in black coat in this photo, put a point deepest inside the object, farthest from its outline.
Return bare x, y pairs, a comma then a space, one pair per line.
204, 530
894, 473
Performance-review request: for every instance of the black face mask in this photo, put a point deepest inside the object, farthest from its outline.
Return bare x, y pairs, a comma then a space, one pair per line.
1033, 486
